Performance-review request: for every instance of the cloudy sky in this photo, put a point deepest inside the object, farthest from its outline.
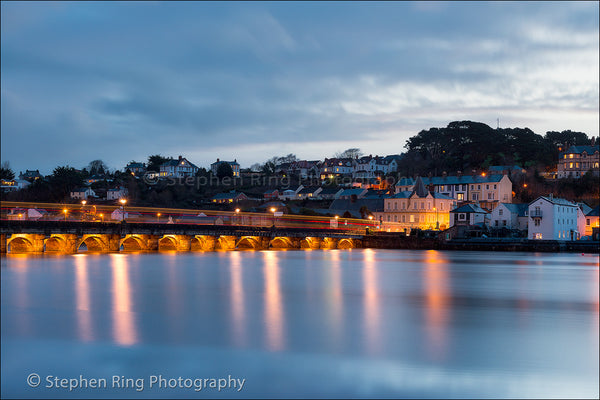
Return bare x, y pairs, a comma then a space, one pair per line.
121, 81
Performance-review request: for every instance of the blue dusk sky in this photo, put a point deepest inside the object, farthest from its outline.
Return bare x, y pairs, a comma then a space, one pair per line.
119, 81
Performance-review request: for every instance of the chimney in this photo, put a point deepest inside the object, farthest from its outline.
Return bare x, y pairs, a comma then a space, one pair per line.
179, 158
217, 160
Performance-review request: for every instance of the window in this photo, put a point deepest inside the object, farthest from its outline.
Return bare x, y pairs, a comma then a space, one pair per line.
570, 155
404, 218
460, 196
478, 187
403, 205
496, 222
474, 197
537, 236
441, 206
462, 216
395, 218
500, 211
570, 165
412, 218
490, 196
587, 221
487, 187
536, 222
389, 218
494, 186
415, 205
395, 205
428, 205
503, 222
422, 205
576, 165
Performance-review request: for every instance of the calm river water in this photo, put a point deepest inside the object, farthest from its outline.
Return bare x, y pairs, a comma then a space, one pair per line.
333, 323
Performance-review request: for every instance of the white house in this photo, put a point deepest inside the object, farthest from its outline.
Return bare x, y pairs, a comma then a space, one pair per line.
290, 194
551, 218
116, 193
511, 216
82, 193
179, 168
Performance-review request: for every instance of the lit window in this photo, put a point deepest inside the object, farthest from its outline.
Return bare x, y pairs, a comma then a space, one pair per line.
570, 155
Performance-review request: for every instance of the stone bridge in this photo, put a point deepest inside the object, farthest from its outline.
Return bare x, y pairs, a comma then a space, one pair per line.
71, 237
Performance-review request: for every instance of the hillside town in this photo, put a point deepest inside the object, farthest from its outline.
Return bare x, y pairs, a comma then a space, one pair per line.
490, 201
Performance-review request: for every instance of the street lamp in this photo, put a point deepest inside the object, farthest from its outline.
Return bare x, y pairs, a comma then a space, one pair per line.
273, 209
123, 201
83, 203
157, 217
65, 211
102, 216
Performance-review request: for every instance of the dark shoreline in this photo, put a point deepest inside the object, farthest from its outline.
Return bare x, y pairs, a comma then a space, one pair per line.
387, 241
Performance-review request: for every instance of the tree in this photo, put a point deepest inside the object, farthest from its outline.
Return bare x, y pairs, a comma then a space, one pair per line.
224, 170
5, 172
349, 153
256, 167
63, 180
97, 167
268, 168
155, 161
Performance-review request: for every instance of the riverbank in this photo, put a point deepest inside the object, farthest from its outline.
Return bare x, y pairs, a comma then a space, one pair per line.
395, 241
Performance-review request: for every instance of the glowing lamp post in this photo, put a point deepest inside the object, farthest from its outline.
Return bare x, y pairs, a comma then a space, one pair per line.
102, 217
123, 201
237, 212
65, 211
273, 209
83, 203
158, 217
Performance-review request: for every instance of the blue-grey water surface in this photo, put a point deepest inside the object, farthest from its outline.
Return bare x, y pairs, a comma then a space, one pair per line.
332, 323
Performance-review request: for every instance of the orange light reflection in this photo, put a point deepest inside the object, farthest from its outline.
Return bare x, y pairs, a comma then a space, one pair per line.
124, 331
237, 299
437, 299
371, 295
273, 305
82, 298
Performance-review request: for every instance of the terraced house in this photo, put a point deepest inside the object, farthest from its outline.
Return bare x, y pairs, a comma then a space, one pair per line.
487, 190
416, 208
577, 161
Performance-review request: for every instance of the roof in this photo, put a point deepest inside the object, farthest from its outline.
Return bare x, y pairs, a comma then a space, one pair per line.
234, 162
581, 149
228, 195
309, 190
350, 192
271, 191
594, 212
469, 208
136, 165
173, 163
342, 205
500, 168
420, 188
555, 200
517, 208
330, 190
453, 180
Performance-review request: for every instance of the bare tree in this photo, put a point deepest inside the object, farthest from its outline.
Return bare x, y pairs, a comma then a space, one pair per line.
349, 153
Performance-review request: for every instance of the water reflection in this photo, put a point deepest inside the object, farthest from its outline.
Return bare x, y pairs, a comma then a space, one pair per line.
82, 299
20, 263
437, 302
371, 303
273, 304
124, 330
335, 300
237, 299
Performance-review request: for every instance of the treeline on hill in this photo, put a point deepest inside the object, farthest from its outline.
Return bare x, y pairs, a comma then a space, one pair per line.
466, 145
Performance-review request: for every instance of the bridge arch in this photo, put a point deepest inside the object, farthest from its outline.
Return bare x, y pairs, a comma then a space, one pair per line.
328, 243
167, 243
309, 243
248, 242
19, 244
280, 242
92, 243
132, 243
345, 244
55, 244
